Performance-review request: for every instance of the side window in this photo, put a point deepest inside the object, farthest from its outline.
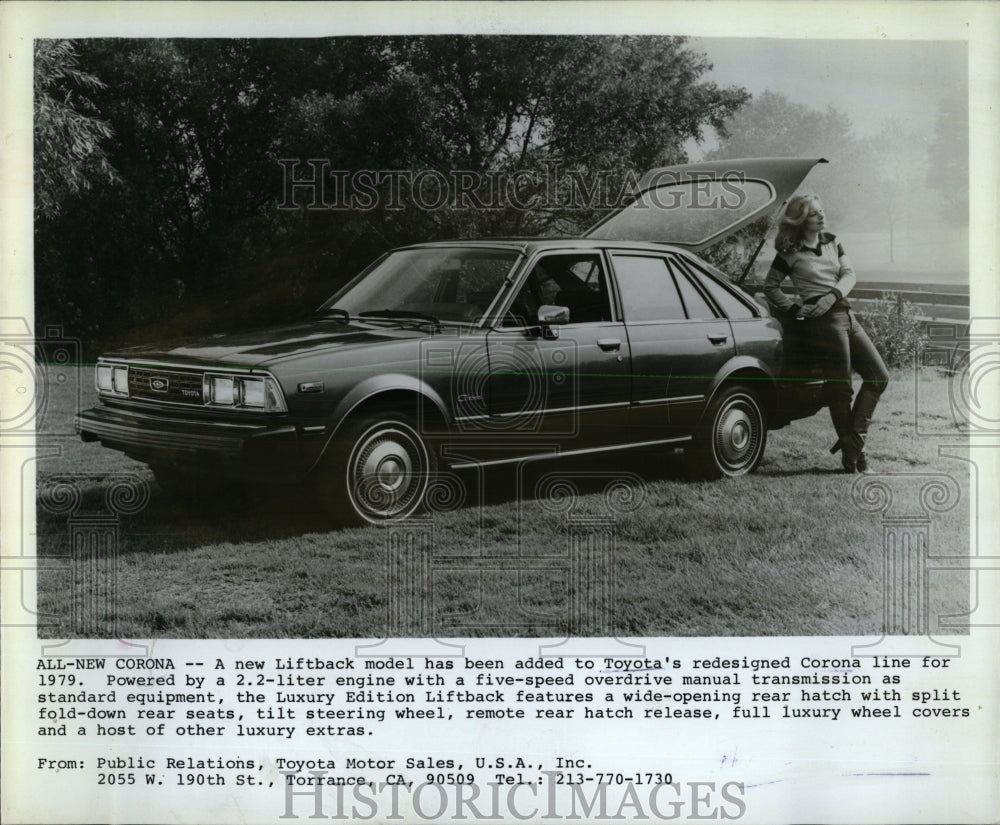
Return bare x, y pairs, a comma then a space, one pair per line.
545, 285
589, 272
647, 290
575, 281
697, 308
731, 305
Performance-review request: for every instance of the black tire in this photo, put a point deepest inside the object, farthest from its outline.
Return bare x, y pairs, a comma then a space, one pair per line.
380, 468
732, 435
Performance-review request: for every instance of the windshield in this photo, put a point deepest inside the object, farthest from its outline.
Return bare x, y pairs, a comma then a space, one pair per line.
443, 284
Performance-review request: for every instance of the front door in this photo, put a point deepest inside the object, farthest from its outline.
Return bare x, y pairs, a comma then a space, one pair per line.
568, 392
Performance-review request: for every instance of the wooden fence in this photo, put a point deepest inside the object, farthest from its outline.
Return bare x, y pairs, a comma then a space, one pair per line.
944, 308
940, 305
937, 302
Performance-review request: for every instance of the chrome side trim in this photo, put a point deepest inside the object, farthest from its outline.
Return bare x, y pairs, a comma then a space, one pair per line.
465, 465
527, 413
679, 399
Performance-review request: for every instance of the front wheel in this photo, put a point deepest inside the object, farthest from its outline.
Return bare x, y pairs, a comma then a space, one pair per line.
731, 438
381, 468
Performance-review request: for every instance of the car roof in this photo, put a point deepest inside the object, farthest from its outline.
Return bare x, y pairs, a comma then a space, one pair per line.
529, 246
690, 206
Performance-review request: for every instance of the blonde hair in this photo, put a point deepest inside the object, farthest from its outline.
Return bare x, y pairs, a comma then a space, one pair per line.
789, 237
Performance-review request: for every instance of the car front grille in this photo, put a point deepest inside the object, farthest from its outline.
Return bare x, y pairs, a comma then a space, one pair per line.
170, 386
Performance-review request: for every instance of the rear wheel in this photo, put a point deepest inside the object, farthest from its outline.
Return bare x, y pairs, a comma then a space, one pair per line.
732, 436
381, 468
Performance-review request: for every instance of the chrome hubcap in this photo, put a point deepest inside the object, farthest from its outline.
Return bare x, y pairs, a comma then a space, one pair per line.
388, 466
737, 436
387, 472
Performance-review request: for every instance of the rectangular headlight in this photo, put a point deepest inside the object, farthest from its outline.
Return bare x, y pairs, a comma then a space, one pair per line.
104, 383
119, 378
252, 393
246, 392
218, 390
112, 379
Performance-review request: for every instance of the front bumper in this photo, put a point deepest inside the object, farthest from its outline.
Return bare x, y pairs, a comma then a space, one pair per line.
255, 450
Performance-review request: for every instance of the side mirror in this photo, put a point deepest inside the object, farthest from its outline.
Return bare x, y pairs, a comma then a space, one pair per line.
550, 316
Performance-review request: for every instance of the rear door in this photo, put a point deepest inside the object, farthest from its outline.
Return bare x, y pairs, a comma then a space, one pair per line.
678, 340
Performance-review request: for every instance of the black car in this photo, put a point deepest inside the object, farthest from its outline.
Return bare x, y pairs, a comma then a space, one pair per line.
480, 352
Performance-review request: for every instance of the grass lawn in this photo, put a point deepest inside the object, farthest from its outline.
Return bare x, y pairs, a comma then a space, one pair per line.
786, 551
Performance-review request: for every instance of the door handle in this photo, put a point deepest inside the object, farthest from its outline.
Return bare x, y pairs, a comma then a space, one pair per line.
609, 344
718, 337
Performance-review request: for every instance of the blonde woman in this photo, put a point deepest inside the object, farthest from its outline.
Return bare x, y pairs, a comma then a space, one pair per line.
822, 277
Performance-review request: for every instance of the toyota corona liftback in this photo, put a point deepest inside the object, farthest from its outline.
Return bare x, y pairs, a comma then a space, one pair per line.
468, 353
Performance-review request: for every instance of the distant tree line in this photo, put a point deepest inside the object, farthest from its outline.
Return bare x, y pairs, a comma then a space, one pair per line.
162, 165
158, 181
872, 183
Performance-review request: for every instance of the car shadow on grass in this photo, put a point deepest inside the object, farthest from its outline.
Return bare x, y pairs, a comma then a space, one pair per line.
167, 524
804, 471
249, 514
578, 476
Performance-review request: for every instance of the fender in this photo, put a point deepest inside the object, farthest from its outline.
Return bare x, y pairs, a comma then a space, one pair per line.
749, 364
371, 388
379, 384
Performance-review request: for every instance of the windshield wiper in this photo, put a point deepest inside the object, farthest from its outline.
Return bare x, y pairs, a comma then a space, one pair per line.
399, 313
343, 313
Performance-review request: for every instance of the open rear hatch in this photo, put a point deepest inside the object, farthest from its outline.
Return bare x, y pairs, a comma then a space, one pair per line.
696, 205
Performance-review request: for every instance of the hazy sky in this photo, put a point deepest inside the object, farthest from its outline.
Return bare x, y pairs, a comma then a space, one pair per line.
870, 80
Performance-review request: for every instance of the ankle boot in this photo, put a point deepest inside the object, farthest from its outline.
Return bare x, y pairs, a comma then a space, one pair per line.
861, 463
852, 458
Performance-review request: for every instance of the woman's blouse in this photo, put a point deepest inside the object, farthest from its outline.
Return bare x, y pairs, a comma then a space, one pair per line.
814, 272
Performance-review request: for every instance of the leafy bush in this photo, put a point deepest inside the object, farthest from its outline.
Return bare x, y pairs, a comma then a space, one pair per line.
894, 326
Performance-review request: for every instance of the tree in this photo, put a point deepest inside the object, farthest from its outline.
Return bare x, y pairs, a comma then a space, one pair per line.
68, 137
948, 159
514, 105
850, 185
773, 126
200, 125
899, 157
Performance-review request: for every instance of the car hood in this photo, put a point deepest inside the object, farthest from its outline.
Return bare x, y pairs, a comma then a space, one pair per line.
696, 205
260, 347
